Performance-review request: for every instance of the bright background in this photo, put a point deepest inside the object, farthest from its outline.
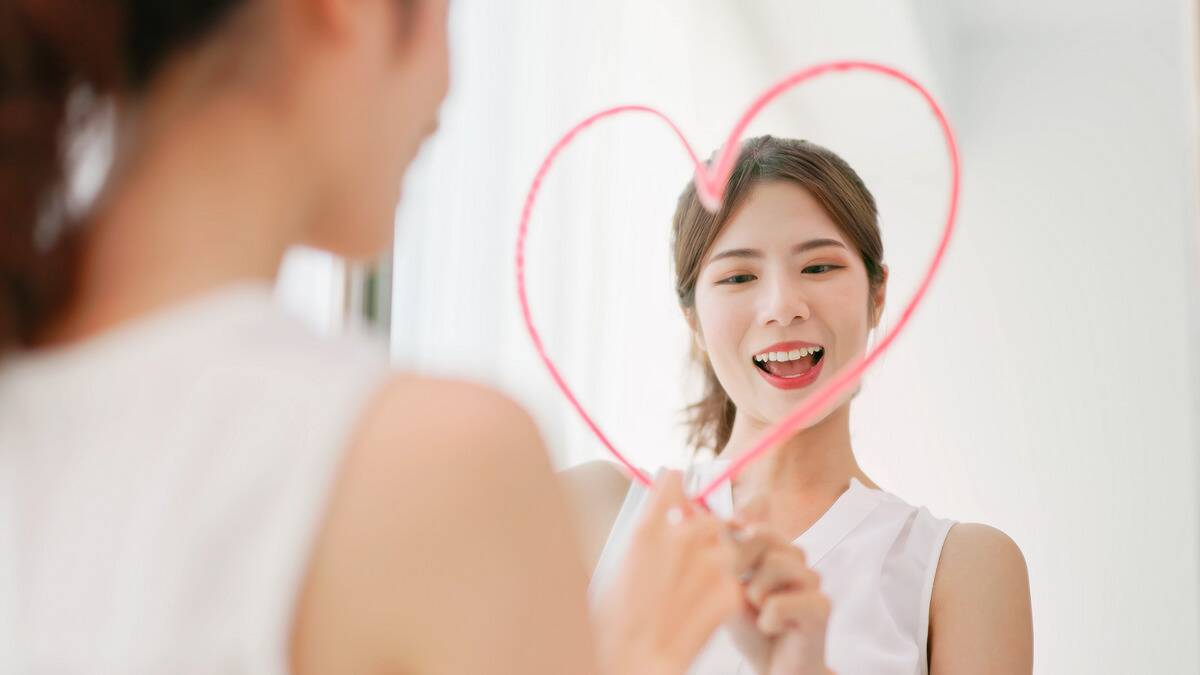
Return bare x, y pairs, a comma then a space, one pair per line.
1050, 385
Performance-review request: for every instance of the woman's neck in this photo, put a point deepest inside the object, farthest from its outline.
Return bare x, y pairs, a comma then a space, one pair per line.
799, 479
201, 204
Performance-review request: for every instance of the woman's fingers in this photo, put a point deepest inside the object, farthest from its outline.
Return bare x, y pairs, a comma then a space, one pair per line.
667, 510
702, 530
783, 627
716, 594
704, 558
801, 609
766, 562
752, 543
697, 561
666, 495
781, 568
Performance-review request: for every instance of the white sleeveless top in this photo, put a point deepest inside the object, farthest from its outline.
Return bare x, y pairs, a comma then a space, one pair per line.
161, 486
876, 556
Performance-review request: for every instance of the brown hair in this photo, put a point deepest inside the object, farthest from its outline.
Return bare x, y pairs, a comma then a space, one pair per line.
830, 180
60, 60
50, 53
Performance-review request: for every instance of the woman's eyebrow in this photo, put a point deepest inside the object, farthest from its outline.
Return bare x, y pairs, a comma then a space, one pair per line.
816, 243
755, 253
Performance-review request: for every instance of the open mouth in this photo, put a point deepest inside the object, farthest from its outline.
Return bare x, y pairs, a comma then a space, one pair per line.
792, 364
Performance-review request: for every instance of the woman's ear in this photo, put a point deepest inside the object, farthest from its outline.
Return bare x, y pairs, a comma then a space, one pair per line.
879, 298
330, 18
694, 326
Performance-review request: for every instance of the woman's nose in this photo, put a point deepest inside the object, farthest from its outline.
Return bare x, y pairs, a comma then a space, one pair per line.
784, 303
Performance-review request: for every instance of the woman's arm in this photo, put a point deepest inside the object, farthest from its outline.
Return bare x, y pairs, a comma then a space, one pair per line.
980, 621
447, 547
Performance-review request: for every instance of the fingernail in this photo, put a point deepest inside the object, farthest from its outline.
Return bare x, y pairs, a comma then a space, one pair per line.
674, 515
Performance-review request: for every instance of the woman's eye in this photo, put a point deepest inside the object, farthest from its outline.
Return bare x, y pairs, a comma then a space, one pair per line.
821, 269
737, 279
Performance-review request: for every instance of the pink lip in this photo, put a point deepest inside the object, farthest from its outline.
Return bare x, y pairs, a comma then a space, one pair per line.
791, 382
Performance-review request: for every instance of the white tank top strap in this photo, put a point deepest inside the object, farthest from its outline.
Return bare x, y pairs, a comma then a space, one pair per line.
929, 532
877, 557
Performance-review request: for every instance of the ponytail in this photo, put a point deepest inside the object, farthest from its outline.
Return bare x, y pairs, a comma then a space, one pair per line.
51, 52
48, 50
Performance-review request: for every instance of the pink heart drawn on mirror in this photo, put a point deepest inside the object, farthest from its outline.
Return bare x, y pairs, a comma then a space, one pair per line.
710, 187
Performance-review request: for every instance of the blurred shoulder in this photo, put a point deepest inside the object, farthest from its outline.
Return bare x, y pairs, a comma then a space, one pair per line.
445, 490
439, 411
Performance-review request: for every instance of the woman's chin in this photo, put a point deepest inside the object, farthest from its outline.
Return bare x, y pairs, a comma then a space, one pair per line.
781, 410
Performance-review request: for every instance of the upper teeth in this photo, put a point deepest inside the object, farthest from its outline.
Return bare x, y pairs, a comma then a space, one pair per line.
786, 356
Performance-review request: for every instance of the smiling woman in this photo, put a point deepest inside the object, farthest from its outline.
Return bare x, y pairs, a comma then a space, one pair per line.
829, 186
781, 289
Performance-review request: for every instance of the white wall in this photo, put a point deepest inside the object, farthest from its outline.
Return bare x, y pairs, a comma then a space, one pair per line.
1048, 387
1068, 417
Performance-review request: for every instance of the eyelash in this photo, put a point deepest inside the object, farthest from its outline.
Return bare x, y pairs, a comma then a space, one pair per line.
828, 268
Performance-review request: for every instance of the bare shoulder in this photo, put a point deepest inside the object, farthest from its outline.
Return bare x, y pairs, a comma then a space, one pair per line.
980, 613
419, 431
445, 514
977, 549
595, 491
409, 404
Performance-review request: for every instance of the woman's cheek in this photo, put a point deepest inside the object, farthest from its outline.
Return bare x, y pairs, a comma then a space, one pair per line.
722, 327
727, 341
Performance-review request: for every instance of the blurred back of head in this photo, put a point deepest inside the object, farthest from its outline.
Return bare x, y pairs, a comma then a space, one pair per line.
351, 87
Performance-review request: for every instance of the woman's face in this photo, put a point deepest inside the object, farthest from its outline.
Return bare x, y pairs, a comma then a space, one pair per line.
379, 103
781, 301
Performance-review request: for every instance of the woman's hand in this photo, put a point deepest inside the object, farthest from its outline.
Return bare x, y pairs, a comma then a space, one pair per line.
675, 587
781, 628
